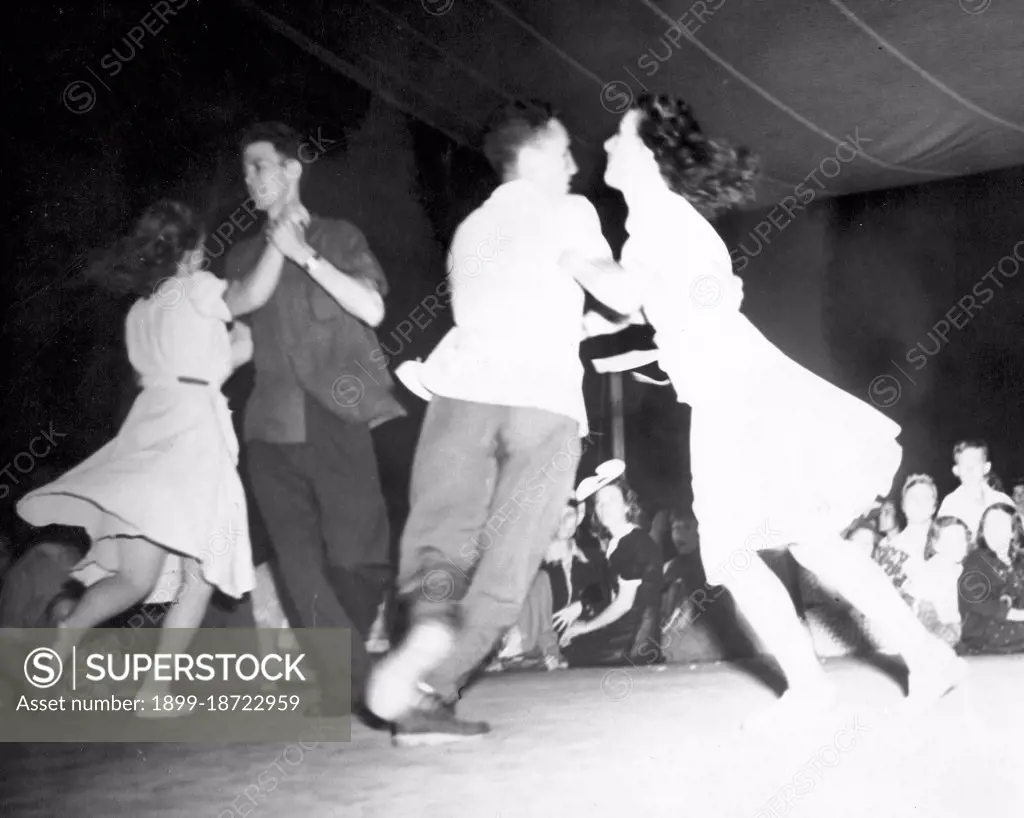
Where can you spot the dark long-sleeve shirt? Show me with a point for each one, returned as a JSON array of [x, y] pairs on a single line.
[[988, 589]]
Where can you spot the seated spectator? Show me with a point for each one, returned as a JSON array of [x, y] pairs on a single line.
[[628, 630], [974, 495], [992, 588], [900, 553], [888, 521], [33, 582], [684, 573], [933, 583], [569, 587]]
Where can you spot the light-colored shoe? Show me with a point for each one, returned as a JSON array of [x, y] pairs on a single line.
[[512, 644], [552, 662], [393, 690]]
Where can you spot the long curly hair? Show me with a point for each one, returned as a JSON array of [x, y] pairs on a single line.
[[713, 176], [137, 264]]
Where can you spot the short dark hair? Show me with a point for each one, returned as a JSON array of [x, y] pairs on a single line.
[[964, 445], [285, 139], [511, 127]]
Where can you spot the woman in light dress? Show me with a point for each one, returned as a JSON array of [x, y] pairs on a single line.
[[162, 502], [812, 457]]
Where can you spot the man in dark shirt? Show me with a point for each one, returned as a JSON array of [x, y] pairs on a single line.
[[315, 291]]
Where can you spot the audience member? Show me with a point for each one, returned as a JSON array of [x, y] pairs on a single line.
[[899, 554], [991, 586], [971, 466], [629, 629], [933, 583], [568, 588]]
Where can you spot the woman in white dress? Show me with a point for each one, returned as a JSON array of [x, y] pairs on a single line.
[[162, 502], [812, 457]]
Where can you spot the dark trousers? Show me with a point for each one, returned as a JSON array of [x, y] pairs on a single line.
[[633, 640], [328, 525], [489, 485]]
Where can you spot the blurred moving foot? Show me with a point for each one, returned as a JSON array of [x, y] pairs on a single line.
[[433, 721], [394, 687]]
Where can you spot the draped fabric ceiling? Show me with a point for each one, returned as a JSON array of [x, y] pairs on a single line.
[[839, 96]]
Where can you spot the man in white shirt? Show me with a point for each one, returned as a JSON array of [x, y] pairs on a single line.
[[968, 502], [497, 455]]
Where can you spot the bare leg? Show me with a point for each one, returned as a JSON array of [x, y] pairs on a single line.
[[182, 619], [140, 563], [863, 583], [179, 627], [269, 616], [766, 606]]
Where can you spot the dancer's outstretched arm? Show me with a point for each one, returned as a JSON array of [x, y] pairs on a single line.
[[241, 345], [588, 259], [248, 294], [604, 279]]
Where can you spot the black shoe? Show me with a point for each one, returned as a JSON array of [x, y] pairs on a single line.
[[367, 718], [435, 723]]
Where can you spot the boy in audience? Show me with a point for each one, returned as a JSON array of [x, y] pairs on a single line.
[[968, 502]]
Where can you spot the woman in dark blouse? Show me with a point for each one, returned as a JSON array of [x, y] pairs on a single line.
[[628, 630], [992, 586], [569, 586]]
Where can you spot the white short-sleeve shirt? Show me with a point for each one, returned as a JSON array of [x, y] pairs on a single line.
[[518, 313], [959, 503]]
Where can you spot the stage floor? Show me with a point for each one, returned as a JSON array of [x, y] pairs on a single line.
[[588, 743]]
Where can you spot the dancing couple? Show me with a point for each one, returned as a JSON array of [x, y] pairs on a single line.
[[163, 502], [812, 456]]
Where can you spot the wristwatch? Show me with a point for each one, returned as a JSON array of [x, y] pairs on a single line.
[[312, 261]]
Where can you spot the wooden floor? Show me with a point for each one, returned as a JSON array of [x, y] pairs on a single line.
[[588, 743]]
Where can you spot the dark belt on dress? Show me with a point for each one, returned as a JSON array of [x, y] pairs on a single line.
[[195, 381]]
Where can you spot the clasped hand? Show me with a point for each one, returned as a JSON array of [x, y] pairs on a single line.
[[288, 235]]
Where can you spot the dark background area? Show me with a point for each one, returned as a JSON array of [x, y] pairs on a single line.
[[847, 287]]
